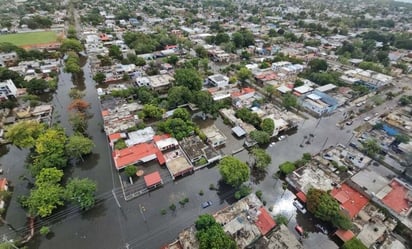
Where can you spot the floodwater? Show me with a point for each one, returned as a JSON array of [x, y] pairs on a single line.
[[96, 166]]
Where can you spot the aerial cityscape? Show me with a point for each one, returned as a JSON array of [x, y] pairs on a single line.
[[205, 124]]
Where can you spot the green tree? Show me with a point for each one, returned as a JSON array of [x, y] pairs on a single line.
[[173, 59], [49, 150], [78, 122], [201, 52], [37, 86], [233, 171], [152, 111], [178, 95], [354, 243], [326, 208], [76, 94], [189, 78], [268, 125], [43, 200], [371, 147], [317, 65], [289, 101], [72, 63], [287, 167], [140, 61], [237, 39], [177, 127], [99, 77], [270, 90], [130, 170], [260, 137], [210, 234], [204, 101], [244, 74], [78, 146], [262, 159], [49, 176], [115, 52], [81, 192], [71, 45], [24, 133], [181, 113], [402, 138], [7, 245]]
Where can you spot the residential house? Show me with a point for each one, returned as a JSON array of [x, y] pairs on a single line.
[[7, 89], [218, 80], [8, 59], [214, 136], [319, 103]]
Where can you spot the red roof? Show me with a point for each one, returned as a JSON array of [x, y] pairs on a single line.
[[396, 199], [152, 179], [105, 113], [170, 46], [139, 152], [301, 196], [157, 138], [344, 235], [3, 184], [265, 222], [350, 199], [114, 137]]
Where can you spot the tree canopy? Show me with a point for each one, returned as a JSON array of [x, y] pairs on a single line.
[[79, 145], [24, 133], [189, 78], [287, 167], [210, 234], [233, 171], [177, 127], [262, 158], [326, 208], [261, 137], [81, 192], [268, 125]]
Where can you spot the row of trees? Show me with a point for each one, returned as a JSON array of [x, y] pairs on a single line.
[[51, 151]]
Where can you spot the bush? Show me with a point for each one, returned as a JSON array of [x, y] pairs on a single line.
[[172, 207], [287, 168], [201, 192], [242, 192], [280, 219], [163, 211], [212, 186], [259, 194], [44, 230], [130, 170]]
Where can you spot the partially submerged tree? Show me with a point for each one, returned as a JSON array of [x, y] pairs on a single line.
[[233, 171]]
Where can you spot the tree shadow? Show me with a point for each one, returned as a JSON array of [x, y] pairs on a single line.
[[257, 175], [95, 212], [226, 192]]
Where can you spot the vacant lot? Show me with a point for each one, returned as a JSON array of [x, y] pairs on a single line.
[[22, 39]]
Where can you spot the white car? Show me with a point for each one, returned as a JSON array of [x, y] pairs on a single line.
[[367, 118], [299, 206], [283, 137]]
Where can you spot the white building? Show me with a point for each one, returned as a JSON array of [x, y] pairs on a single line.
[[218, 80], [7, 89]]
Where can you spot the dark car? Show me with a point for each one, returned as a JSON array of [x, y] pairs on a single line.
[[350, 122], [322, 228], [206, 204]]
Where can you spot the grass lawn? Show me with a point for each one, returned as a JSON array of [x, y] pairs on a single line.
[[30, 38]]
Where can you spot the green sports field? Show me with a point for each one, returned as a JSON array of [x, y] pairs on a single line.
[[23, 39]]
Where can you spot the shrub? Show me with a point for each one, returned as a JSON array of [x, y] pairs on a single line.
[[163, 211], [259, 194], [44, 230], [172, 207], [201, 192], [212, 186]]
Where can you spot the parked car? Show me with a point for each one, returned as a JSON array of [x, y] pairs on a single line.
[[367, 118], [299, 229], [206, 204], [283, 137], [322, 228], [299, 206], [350, 122]]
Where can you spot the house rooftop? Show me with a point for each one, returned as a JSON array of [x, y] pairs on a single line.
[[139, 153], [350, 200], [152, 179], [399, 197]]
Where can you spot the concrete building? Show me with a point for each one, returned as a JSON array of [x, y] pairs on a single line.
[[7, 89], [158, 83], [319, 103], [218, 80], [214, 136], [8, 59]]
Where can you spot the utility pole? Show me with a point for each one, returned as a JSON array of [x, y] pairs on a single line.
[[142, 210]]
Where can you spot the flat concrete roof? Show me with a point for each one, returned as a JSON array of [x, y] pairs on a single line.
[[178, 165]]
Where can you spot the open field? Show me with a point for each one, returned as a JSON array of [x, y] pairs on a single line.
[[23, 39]]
